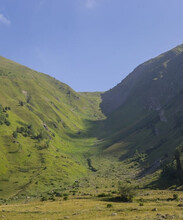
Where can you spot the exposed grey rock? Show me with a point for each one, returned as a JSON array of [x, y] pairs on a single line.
[[114, 214]]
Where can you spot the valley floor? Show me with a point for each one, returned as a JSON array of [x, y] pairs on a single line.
[[147, 205]]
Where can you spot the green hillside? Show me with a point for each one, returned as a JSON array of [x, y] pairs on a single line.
[[44, 127], [52, 138]]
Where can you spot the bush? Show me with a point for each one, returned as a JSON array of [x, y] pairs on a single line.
[[109, 205], [58, 194], [102, 195], [65, 194], [52, 198], [26, 130], [7, 123], [141, 200], [65, 198], [172, 171], [127, 192], [15, 134], [21, 103], [175, 197], [44, 198]]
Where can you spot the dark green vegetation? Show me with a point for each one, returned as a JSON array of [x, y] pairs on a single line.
[[127, 193], [54, 139], [173, 170]]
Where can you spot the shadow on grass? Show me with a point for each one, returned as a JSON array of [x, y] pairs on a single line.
[[163, 183], [114, 199]]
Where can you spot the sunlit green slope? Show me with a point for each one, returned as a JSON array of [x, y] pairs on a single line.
[[44, 128]]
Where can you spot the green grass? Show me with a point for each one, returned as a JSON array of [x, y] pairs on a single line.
[[155, 206], [74, 129], [65, 116]]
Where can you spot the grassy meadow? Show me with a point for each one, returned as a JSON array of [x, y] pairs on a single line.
[[62, 158], [148, 204]]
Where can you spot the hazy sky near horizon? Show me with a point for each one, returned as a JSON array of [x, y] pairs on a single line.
[[89, 44]]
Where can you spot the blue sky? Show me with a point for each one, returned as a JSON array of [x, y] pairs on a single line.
[[89, 44]]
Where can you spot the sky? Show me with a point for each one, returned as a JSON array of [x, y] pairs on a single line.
[[91, 45]]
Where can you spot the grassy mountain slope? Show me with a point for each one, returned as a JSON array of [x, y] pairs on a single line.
[[145, 110], [51, 136], [43, 130]]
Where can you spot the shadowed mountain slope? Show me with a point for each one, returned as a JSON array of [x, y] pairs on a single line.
[[145, 110]]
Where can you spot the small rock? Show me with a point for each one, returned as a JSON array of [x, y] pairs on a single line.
[[114, 214], [169, 216], [155, 210], [161, 216], [75, 213]]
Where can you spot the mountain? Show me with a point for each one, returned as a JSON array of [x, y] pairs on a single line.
[[51, 136], [44, 127], [145, 111]]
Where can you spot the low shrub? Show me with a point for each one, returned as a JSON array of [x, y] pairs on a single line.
[[65, 198], [127, 192], [44, 198], [102, 195], [175, 196], [109, 205]]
